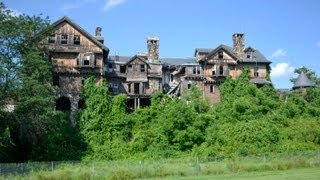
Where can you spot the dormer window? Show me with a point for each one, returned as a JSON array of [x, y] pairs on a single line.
[[64, 39], [220, 55], [52, 38], [76, 39]]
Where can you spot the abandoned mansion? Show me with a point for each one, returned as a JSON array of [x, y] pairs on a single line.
[[76, 55]]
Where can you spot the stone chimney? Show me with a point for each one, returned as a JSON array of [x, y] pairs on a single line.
[[98, 35], [238, 44], [153, 49]]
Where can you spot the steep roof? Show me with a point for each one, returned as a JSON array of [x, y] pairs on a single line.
[[302, 81], [81, 30], [227, 49], [202, 50]]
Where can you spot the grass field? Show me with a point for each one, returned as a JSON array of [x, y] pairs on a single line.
[[292, 174], [304, 165]]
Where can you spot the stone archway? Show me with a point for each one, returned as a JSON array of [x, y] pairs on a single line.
[[63, 104]]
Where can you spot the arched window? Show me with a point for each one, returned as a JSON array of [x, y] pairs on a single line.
[[63, 104]]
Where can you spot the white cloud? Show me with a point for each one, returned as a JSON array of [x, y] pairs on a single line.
[[318, 44], [281, 69], [279, 53], [112, 4]]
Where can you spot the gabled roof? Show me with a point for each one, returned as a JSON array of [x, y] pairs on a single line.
[[302, 81], [227, 49], [137, 57], [81, 30], [202, 50]]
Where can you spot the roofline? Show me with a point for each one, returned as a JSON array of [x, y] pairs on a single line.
[[79, 28], [221, 46]]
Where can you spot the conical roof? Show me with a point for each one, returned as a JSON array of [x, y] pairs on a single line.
[[302, 81]]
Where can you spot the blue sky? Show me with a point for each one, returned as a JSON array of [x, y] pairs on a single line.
[[287, 32]]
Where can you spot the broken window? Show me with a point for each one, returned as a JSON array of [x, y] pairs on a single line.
[[63, 104], [76, 39], [136, 88], [52, 38], [122, 69], [221, 70], [86, 60], [220, 55], [129, 88], [256, 72], [130, 68], [198, 70], [189, 86], [142, 68], [194, 70], [64, 39], [214, 70], [211, 88]]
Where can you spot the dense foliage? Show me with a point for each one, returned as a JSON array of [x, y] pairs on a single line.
[[248, 120]]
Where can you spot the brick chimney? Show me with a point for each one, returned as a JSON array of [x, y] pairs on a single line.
[[238, 44], [153, 49], [98, 35]]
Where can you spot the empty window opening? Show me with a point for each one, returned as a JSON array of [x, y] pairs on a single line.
[[122, 69], [220, 55], [130, 68], [76, 39], [189, 86], [221, 70], [256, 73], [86, 60], [136, 88], [129, 88], [171, 77], [63, 104], [64, 39], [194, 70], [248, 55], [52, 38], [198, 70], [211, 88], [142, 68]]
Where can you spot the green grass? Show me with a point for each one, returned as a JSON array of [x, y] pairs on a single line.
[[238, 167], [292, 174]]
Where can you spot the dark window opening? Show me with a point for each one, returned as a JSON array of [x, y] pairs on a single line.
[[198, 70], [122, 69], [248, 55], [211, 88], [213, 72], [86, 62], [52, 38], [256, 73], [63, 104], [171, 77], [129, 88], [220, 55], [142, 68], [76, 39], [64, 39], [189, 86], [110, 68], [136, 88], [221, 70], [194, 70], [56, 80]]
